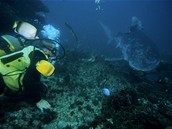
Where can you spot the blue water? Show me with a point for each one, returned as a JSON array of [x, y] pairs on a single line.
[[95, 28]]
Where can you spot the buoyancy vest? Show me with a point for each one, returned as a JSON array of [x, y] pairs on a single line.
[[13, 67], [11, 43]]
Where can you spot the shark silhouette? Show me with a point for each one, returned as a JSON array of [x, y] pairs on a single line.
[[136, 47]]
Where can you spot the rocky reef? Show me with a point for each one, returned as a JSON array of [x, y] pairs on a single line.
[[138, 100]]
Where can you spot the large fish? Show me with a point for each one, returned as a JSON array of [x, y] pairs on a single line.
[[138, 49]]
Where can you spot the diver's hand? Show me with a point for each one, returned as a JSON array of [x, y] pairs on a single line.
[[43, 104]]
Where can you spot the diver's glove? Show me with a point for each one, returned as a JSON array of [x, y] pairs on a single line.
[[43, 105]]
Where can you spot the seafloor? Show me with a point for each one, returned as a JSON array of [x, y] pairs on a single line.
[[138, 100]]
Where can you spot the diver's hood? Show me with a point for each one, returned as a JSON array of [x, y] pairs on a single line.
[[56, 48]]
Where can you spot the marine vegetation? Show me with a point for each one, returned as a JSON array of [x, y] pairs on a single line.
[[75, 93]]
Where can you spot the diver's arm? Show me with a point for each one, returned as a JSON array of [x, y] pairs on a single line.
[[31, 80], [35, 90]]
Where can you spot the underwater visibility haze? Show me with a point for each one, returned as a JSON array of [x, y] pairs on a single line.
[[97, 25], [114, 69]]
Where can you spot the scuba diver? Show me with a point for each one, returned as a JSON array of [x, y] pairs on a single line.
[[23, 59]]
